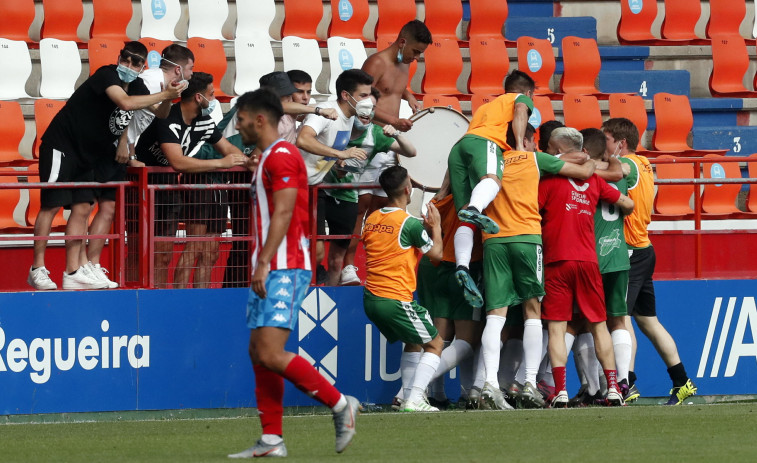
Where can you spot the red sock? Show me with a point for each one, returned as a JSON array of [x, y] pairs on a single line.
[[612, 379], [307, 379], [269, 392], [558, 373]]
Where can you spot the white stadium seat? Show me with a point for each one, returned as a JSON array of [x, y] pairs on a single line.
[[159, 19], [206, 18], [303, 54], [60, 67], [254, 59], [17, 67], [344, 54]]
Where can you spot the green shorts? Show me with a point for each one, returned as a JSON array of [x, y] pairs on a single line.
[[470, 159], [399, 321], [439, 292], [616, 289], [513, 273]]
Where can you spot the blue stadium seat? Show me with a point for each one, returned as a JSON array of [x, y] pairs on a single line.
[[645, 83], [551, 28]]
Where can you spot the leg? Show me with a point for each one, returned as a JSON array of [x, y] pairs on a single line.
[[558, 356], [101, 224], [336, 258], [42, 227], [77, 225], [190, 256], [163, 257], [363, 204]]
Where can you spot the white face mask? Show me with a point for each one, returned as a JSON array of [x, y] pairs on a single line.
[[181, 70], [363, 108], [206, 111]]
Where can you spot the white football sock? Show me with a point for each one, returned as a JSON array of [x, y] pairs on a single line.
[[408, 364], [510, 360], [426, 367], [587, 361], [484, 193], [480, 372], [451, 356], [463, 245], [490, 347], [532, 349], [621, 343]]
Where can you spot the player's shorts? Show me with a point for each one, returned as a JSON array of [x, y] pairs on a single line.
[[513, 273], [379, 163], [641, 298], [616, 288], [286, 289], [569, 281], [398, 320], [340, 215], [440, 293], [470, 159], [56, 166], [108, 170]]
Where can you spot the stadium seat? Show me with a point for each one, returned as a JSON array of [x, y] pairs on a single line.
[[206, 18], [16, 20], [111, 18], [489, 64], [581, 63], [159, 19], [635, 25], [62, 18], [544, 106], [477, 100], [631, 107], [384, 41], [719, 200], [254, 18], [155, 49], [444, 63], [581, 111], [550, 27], [210, 57], [726, 17], [301, 18], [443, 17], [487, 18], [672, 202], [430, 100], [60, 67], [751, 203], [537, 59], [674, 122], [102, 52], [348, 18], [730, 61], [344, 54], [32, 208], [304, 54], [17, 67], [9, 200], [12, 129], [254, 59], [392, 15], [44, 112], [681, 17]]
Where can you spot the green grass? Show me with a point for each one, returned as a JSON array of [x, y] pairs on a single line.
[[711, 433]]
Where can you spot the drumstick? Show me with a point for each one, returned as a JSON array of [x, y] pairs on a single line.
[[415, 117]]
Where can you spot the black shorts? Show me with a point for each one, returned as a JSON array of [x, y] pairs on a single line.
[[640, 298], [340, 215], [56, 166], [108, 170], [209, 207]]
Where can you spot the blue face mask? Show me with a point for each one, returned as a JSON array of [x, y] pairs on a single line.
[[399, 55], [208, 109], [126, 74]]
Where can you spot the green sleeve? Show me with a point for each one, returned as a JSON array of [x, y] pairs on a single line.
[[548, 164], [413, 234], [527, 101], [381, 141], [633, 177]]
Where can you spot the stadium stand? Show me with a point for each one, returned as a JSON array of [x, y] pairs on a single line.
[[730, 63], [751, 203], [443, 18], [672, 202], [103, 52], [254, 59], [489, 64], [159, 19], [556, 27], [255, 18], [444, 63], [9, 200], [581, 111], [719, 200], [645, 83], [544, 105], [301, 18], [537, 59], [44, 111], [304, 54], [12, 130], [62, 19], [210, 57], [726, 17], [111, 17], [17, 67], [60, 67], [674, 121], [206, 18], [430, 100], [479, 99], [488, 19], [635, 25], [348, 19], [681, 17], [581, 66], [155, 49], [16, 19], [631, 107], [392, 15], [344, 54]]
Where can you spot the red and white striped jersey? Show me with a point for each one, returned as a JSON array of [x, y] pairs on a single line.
[[281, 166]]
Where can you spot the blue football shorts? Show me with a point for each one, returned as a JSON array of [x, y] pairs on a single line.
[[286, 289]]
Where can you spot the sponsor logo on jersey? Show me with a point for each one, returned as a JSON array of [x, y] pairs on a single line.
[[279, 318], [283, 293], [280, 305], [608, 243], [285, 279]]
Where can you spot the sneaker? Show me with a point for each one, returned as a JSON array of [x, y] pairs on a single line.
[[514, 390], [470, 291], [440, 404], [344, 423], [580, 399], [493, 399], [261, 449], [419, 406], [679, 394], [100, 274], [614, 399], [623, 388], [474, 399], [559, 400], [81, 280], [530, 397], [349, 276], [633, 394], [397, 404], [471, 215], [545, 389], [39, 279]]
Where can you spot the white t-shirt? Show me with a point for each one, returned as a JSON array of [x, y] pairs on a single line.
[[142, 118], [335, 134]]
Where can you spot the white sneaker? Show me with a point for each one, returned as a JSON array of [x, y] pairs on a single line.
[[349, 276], [419, 406], [100, 274], [81, 280], [39, 279]]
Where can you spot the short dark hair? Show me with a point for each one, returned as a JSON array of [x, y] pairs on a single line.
[[393, 180], [417, 31], [519, 82], [350, 79], [262, 100], [132, 50], [595, 142], [545, 131], [177, 54], [197, 84], [530, 131], [298, 76], [622, 129]]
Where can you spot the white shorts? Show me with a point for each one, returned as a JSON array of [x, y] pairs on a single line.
[[378, 164]]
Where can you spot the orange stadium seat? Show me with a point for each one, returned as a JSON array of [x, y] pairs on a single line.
[[383, 41], [210, 57], [16, 20], [681, 17], [751, 203], [581, 64], [478, 99], [719, 200], [487, 18], [444, 63], [348, 18], [430, 100], [8, 201], [102, 52], [631, 107], [725, 18], [489, 64], [674, 122], [730, 61], [32, 209], [443, 17], [581, 111], [12, 130], [111, 17], [154, 46], [392, 15], [44, 112], [301, 18], [672, 202], [544, 105], [62, 18], [635, 25], [536, 58]]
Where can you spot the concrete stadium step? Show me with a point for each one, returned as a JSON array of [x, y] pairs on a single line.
[[645, 83], [740, 140], [551, 28]]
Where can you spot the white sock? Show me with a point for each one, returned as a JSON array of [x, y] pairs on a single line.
[[532, 349], [436, 386], [452, 355], [480, 374], [587, 360], [463, 245], [490, 346], [621, 343], [510, 360], [484, 193], [569, 339], [465, 368], [426, 367], [340, 404], [408, 364], [271, 439]]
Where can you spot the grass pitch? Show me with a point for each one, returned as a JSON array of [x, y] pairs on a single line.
[[707, 433]]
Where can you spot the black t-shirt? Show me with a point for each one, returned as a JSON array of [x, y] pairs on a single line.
[[173, 130], [90, 123]]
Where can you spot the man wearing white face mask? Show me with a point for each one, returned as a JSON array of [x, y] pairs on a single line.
[[322, 143]]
